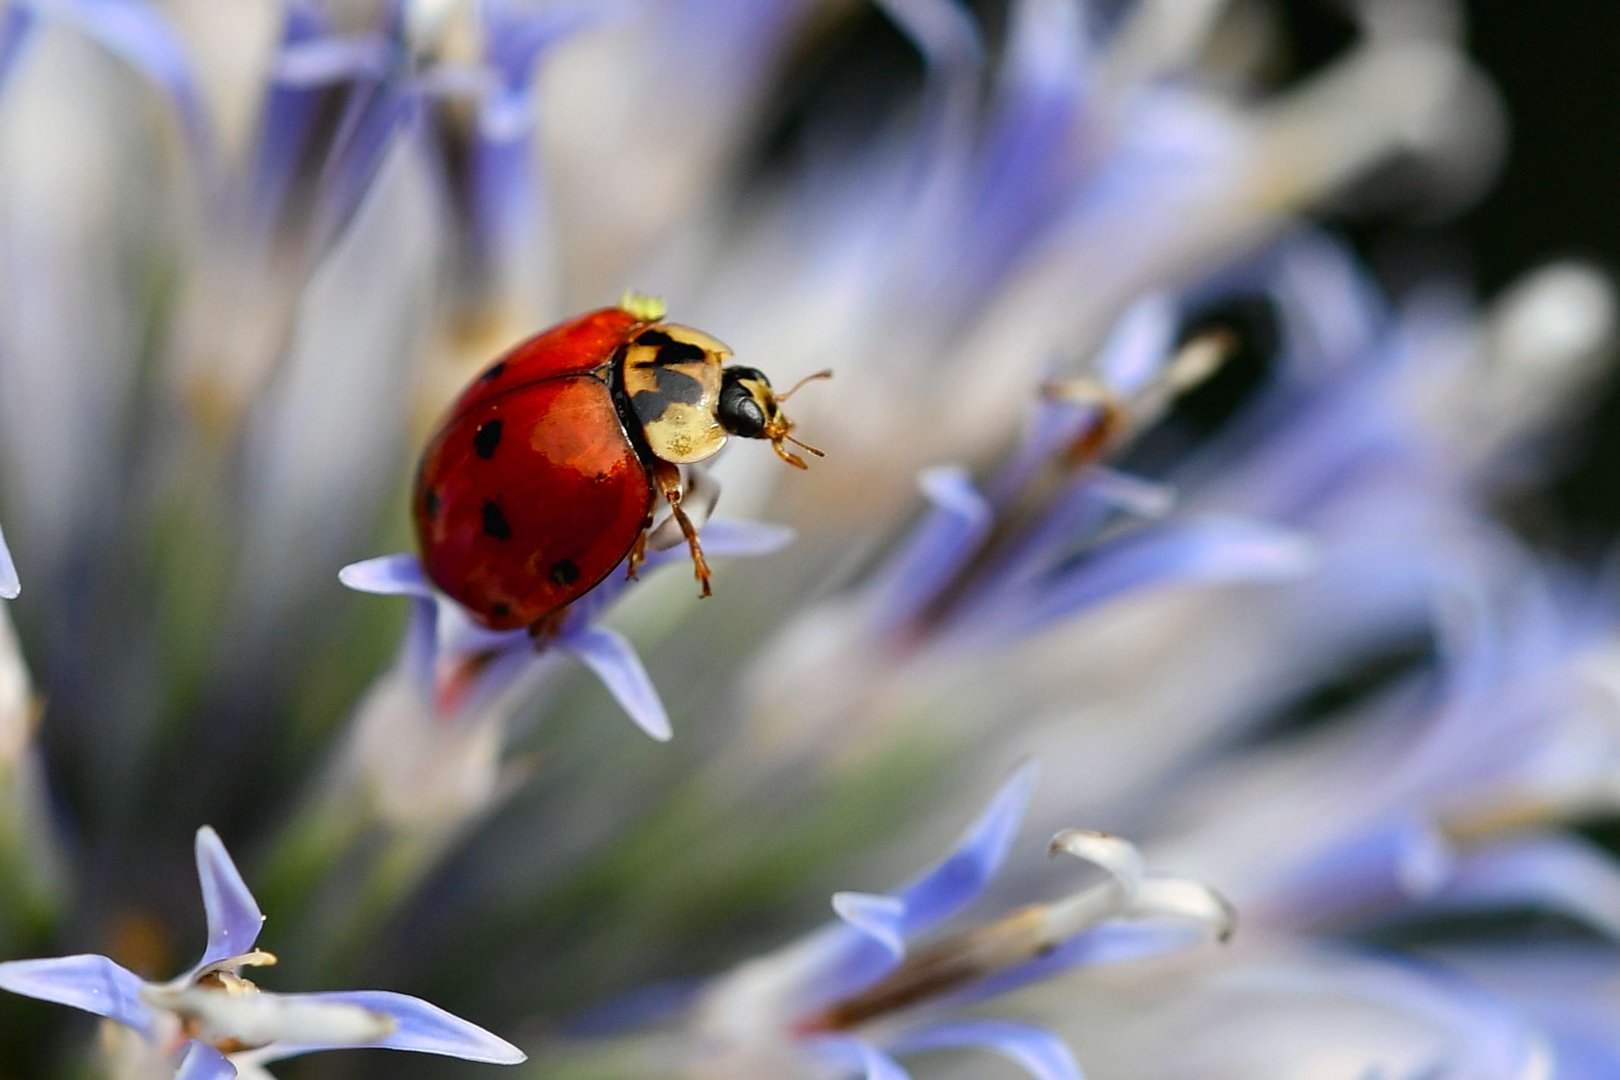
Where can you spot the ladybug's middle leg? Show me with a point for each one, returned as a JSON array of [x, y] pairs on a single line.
[[668, 479]]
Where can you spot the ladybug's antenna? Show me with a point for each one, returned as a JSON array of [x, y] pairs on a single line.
[[778, 427], [824, 373], [789, 456]]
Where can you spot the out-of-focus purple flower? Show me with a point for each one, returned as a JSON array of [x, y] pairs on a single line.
[[10, 586], [453, 74], [1448, 798], [881, 983], [133, 30], [233, 1021], [1056, 535]]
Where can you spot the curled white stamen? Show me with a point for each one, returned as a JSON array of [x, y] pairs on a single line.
[[1120, 858], [1133, 893]]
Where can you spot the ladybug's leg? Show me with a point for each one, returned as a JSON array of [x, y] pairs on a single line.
[[547, 627], [668, 479], [638, 550]]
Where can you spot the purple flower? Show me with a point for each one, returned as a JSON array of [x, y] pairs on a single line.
[[1054, 536], [133, 30], [394, 78], [881, 983], [211, 1019], [463, 670], [10, 587]]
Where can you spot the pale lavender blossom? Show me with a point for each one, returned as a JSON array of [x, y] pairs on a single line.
[[883, 983], [213, 1022], [10, 586]]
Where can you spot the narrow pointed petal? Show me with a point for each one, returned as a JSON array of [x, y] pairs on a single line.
[[949, 42], [375, 120], [1136, 349], [870, 941], [1040, 1053], [950, 886], [1201, 552], [615, 662], [322, 61], [92, 983], [723, 538], [857, 1056], [1403, 860], [1089, 505], [941, 31], [416, 1025], [519, 38], [234, 918], [881, 918], [1029, 161], [16, 27], [203, 1062], [1110, 943], [10, 587], [937, 548], [322, 439], [1555, 872], [399, 574], [141, 36]]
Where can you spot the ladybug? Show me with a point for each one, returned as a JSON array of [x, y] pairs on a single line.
[[543, 475]]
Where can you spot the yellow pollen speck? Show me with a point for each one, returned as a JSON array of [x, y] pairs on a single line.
[[644, 307]]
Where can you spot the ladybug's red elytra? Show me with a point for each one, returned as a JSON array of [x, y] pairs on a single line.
[[542, 476]]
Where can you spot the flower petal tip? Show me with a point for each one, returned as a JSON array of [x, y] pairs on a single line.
[[880, 918], [203, 1062], [724, 538], [399, 574], [616, 664], [10, 586], [234, 918]]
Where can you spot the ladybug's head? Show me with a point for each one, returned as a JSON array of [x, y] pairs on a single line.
[[750, 408]]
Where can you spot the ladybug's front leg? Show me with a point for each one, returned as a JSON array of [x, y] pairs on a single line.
[[668, 479]]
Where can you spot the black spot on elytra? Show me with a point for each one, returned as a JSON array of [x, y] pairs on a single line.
[[495, 525], [493, 373], [564, 572], [487, 438], [430, 502], [500, 610]]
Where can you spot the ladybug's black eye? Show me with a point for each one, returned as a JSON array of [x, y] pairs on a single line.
[[738, 410]]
